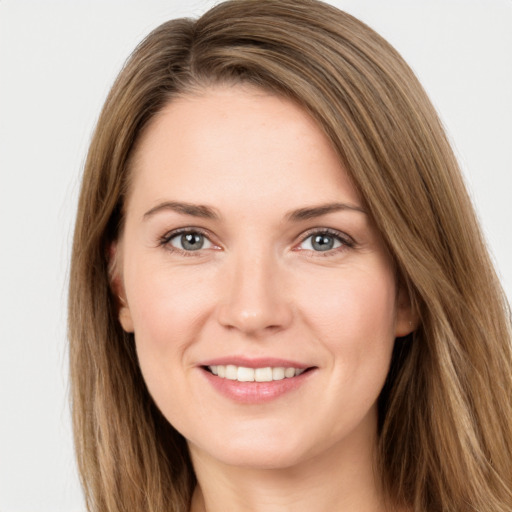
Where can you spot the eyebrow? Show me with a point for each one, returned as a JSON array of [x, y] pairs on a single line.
[[323, 209], [195, 210], [206, 212]]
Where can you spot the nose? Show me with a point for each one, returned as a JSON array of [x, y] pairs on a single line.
[[254, 297]]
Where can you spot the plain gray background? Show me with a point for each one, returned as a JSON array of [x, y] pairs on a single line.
[[57, 62]]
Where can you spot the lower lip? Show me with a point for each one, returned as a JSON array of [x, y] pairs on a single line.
[[255, 392]]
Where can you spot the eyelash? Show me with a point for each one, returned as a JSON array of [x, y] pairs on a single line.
[[165, 240], [346, 241]]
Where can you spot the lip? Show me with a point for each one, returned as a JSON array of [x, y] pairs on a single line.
[[255, 392]]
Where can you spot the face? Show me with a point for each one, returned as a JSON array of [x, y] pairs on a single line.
[[263, 301]]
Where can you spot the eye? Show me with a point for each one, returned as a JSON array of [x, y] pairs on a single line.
[[188, 241], [323, 241]]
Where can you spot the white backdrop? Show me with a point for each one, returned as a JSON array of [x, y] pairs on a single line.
[[57, 61]]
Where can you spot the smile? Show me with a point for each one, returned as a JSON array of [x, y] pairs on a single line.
[[255, 380], [244, 374]]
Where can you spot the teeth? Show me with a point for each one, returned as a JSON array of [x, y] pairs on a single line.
[[263, 374], [231, 372], [278, 373], [289, 372], [243, 374]]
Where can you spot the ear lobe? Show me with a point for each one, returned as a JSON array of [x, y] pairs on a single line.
[[117, 288], [407, 319], [125, 318]]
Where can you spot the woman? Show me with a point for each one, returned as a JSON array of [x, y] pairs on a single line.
[[280, 297]]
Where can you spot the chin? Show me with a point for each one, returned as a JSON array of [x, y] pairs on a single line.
[[261, 449], [261, 459]]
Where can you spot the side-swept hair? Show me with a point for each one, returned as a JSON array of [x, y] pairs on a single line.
[[445, 413]]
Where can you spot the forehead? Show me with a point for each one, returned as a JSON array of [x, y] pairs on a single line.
[[237, 143]]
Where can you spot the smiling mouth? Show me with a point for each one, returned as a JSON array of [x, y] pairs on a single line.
[[244, 374]]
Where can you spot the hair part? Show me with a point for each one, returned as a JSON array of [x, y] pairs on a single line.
[[445, 412]]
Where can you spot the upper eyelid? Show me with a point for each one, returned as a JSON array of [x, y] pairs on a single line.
[[189, 229], [330, 231]]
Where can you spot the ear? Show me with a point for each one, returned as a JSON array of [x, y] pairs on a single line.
[[117, 287], [407, 319]]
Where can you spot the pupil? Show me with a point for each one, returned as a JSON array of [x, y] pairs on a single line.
[[192, 241], [323, 242]]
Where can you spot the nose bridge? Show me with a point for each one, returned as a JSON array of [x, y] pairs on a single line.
[[254, 301]]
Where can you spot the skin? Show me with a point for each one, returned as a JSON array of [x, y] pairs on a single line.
[[259, 288]]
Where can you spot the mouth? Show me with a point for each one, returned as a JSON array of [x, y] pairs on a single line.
[[256, 380], [246, 374]]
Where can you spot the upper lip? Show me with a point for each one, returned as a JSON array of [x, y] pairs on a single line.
[[259, 362]]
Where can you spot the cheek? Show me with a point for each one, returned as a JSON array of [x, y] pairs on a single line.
[[168, 309], [355, 305], [353, 319]]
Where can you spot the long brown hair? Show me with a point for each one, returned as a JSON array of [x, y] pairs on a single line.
[[445, 413]]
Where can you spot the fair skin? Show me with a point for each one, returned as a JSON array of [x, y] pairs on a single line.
[[246, 245]]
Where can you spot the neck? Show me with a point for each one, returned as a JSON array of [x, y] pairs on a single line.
[[342, 478]]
